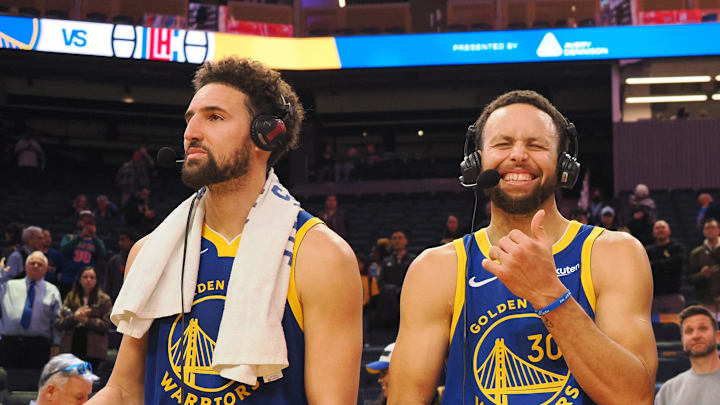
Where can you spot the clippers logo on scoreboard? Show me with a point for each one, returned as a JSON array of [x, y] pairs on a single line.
[[19, 33], [161, 44]]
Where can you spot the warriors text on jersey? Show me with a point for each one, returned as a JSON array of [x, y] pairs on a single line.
[[506, 355], [169, 345]]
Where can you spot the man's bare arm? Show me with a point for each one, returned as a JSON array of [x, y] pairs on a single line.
[[127, 383], [614, 359], [425, 317], [328, 282]]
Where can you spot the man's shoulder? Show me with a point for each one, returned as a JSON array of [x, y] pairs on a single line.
[[51, 288], [697, 250], [673, 384]]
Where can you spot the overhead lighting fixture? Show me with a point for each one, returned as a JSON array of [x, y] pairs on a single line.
[[716, 96], [717, 78], [341, 3], [667, 99], [420, 132], [669, 79]]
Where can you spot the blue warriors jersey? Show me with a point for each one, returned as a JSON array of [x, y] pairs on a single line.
[[169, 345], [506, 355]]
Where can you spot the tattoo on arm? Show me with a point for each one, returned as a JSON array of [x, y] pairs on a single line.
[[547, 322]]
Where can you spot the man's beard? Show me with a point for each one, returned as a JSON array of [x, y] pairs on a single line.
[[710, 348], [524, 205], [196, 175]]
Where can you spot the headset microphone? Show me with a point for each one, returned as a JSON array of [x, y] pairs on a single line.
[[167, 157]]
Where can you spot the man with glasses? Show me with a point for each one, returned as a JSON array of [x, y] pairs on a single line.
[[65, 380]]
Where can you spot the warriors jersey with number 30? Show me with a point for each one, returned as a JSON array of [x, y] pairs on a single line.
[[201, 385], [502, 353]]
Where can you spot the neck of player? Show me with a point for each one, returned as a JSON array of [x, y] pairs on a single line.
[[228, 204], [706, 364], [501, 223]]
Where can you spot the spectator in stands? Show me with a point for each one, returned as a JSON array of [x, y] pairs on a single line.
[[451, 231], [56, 259], [394, 268], [13, 238], [708, 209], [79, 205], [33, 240], [29, 308], [370, 293], [607, 218], [579, 215], [379, 252], [705, 268], [701, 384], [371, 160], [65, 380], [380, 367], [106, 211], [640, 225], [30, 156], [85, 319], [334, 217], [138, 213], [344, 166], [666, 260], [82, 249], [115, 268], [596, 205], [134, 173], [641, 198], [326, 164]]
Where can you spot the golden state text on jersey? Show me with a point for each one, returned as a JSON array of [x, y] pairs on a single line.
[[500, 351], [180, 357]]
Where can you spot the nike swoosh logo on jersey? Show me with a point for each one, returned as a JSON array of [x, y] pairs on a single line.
[[204, 250], [474, 283]]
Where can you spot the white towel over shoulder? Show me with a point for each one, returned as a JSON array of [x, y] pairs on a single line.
[[251, 341]]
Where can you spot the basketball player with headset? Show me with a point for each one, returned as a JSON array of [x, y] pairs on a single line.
[[533, 309], [242, 118]]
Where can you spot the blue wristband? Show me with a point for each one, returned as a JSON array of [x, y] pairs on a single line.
[[557, 303]]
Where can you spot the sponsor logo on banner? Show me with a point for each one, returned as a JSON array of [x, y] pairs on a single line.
[[550, 48], [19, 33]]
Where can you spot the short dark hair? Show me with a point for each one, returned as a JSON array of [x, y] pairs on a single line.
[[524, 97], [711, 219], [264, 88], [693, 310]]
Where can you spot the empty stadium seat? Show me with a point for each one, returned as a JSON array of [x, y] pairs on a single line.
[[561, 23], [20, 397], [669, 367], [395, 29], [456, 28], [481, 27], [517, 25], [342, 32], [123, 19], [541, 24], [319, 32], [588, 22], [23, 379], [57, 14], [369, 31], [28, 12], [96, 17]]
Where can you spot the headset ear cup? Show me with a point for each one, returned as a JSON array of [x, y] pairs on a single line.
[[268, 132], [568, 171], [470, 169]]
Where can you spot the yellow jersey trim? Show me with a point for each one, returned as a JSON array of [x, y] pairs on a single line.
[[460, 286], [293, 297], [585, 270], [483, 240], [224, 248]]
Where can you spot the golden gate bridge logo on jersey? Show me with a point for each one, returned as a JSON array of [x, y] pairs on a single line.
[[196, 358], [519, 376]]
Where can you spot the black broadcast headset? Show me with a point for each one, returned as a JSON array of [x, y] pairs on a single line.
[[269, 132], [568, 168]]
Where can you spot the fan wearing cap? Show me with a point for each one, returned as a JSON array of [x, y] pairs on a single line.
[[65, 380], [380, 367], [607, 218]]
